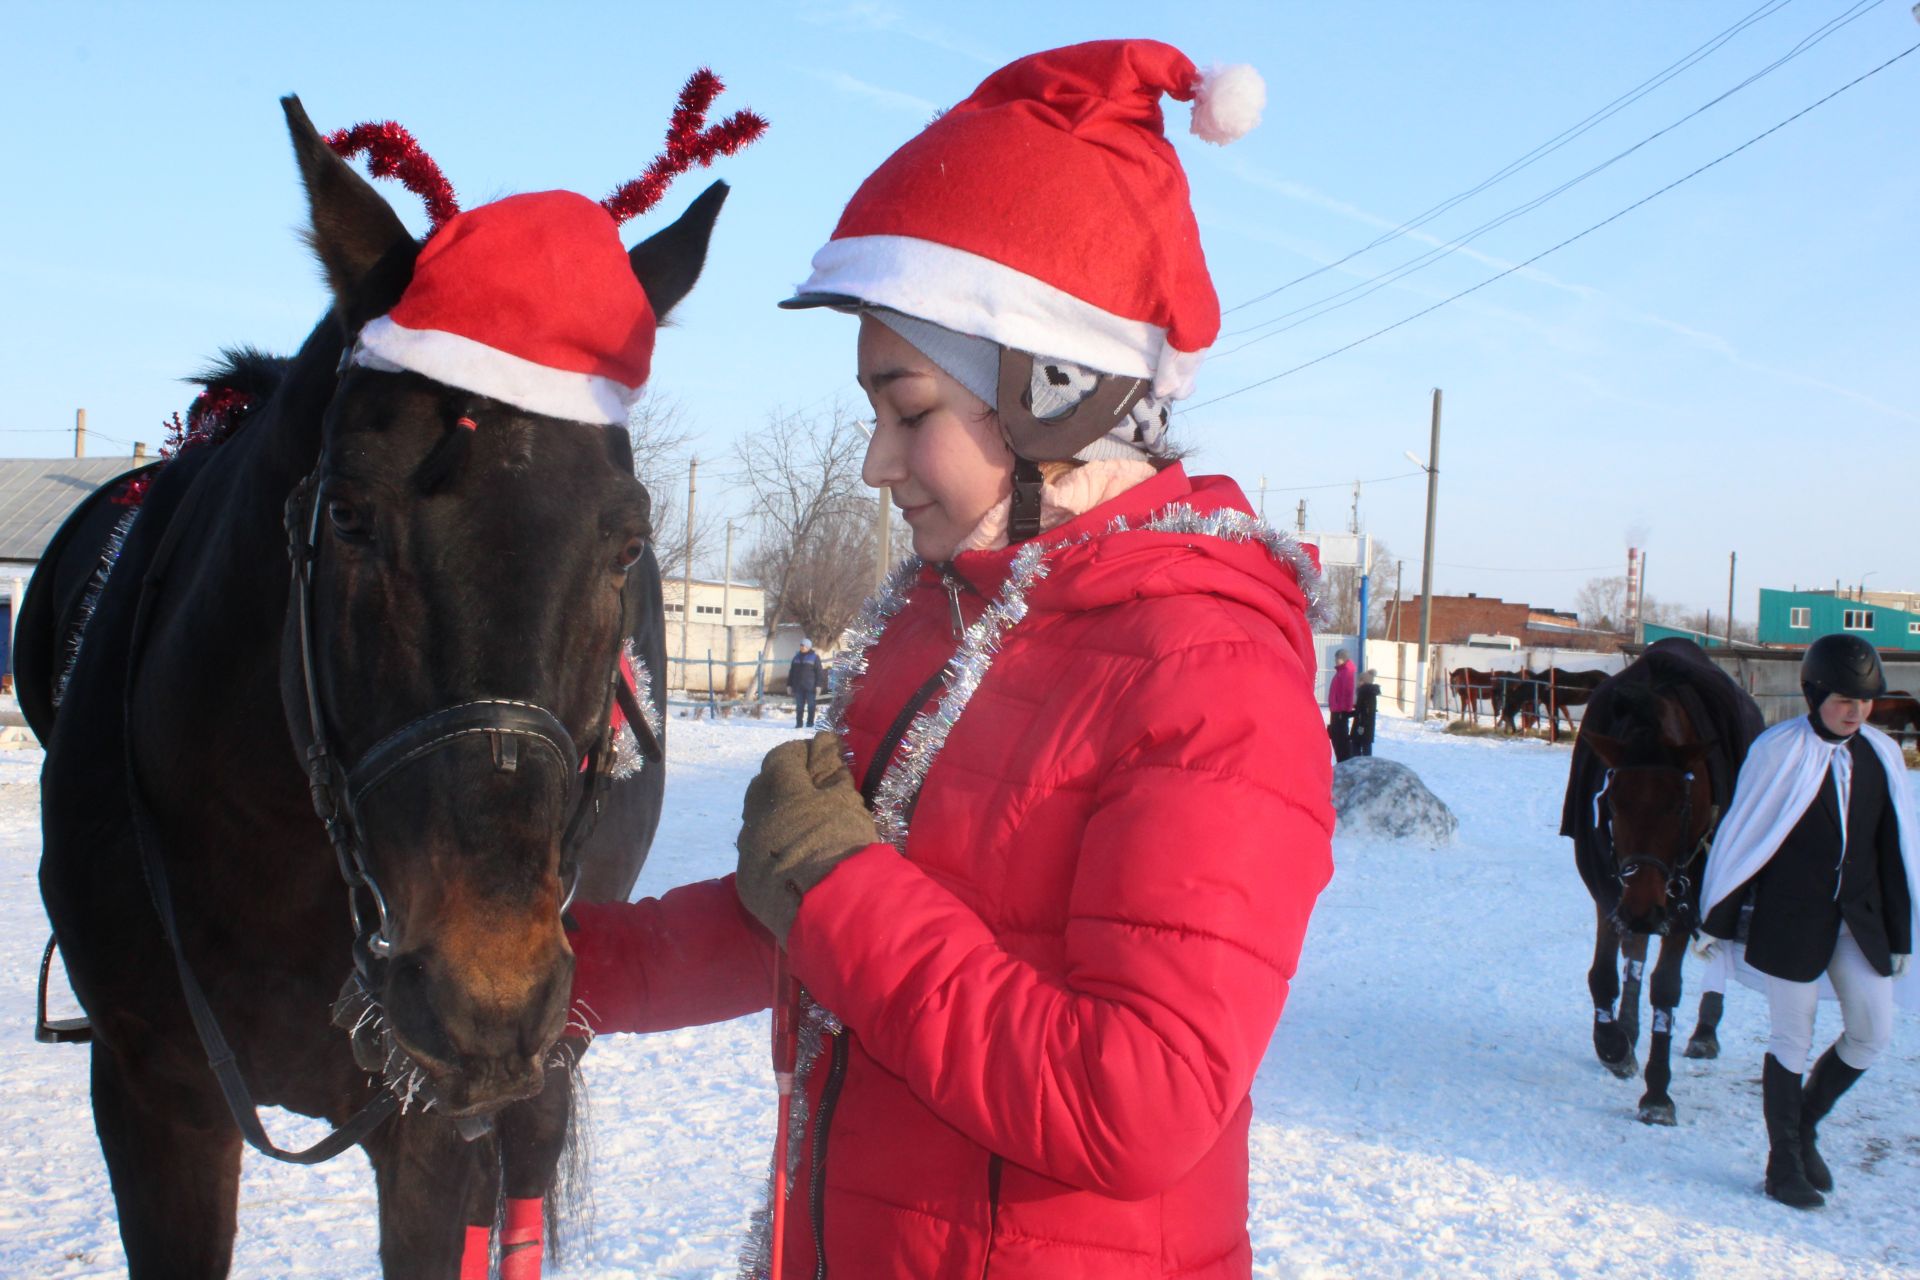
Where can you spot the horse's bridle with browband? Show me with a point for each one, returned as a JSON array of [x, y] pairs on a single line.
[[339, 789], [1678, 882]]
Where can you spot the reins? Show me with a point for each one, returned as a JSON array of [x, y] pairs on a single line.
[[220, 1056]]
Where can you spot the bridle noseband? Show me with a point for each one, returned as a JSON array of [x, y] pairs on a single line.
[[340, 789]]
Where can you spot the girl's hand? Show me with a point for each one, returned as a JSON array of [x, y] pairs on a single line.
[[802, 817]]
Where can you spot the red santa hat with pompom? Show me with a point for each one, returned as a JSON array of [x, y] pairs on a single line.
[[1049, 213]]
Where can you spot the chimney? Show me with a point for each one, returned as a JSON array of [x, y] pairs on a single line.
[[79, 433], [139, 450]]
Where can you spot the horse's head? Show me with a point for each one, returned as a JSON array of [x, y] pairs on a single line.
[[466, 599], [1658, 811]]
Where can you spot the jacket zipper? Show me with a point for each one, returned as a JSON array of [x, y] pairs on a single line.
[[993, 1211], [817, 1176], [954, 618]]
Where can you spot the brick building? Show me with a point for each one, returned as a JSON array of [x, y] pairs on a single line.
[[1456, 618]]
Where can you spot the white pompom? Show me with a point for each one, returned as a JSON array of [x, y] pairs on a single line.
[[1227, 102]]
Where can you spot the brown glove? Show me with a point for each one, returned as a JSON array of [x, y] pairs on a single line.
[[802, 817]]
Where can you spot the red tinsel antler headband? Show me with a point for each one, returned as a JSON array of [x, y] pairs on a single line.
[[393, 153], [687, 145]]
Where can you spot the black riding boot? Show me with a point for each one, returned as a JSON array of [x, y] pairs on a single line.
[[1829, 1078], [1786, 1175]]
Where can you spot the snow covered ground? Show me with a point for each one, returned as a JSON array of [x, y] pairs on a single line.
[[1430, 1106]]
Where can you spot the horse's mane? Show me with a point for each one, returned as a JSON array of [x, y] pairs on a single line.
[[248, 370]]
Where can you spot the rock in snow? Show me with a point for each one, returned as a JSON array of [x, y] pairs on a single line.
[[1382, 799]]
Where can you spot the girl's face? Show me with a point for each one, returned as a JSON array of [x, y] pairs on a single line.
[[935, 444], [1844, 716]]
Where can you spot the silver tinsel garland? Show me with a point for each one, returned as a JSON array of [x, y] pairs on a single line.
[[627, 759], [904, 776], [90, 600]]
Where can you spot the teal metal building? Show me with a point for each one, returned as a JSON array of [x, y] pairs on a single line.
[[1801, 617]]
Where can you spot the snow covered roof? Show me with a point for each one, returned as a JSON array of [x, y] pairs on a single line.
[[36, 494]]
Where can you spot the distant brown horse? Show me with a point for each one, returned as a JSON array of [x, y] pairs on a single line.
[[1469, 685], [1898, 713]]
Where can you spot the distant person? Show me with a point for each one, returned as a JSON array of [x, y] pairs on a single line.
[[1340, 706], [1366, 705], [1820, 835], [803, 682]]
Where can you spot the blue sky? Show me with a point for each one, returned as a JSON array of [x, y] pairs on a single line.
[[1729, 368]]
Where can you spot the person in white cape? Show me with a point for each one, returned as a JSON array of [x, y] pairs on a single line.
[[1820, 837]]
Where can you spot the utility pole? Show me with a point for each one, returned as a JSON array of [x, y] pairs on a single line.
[[79, 433], [1263, 497], [1640, 605], [1353, 520], [1733, 559], [686, 578], [726, 606], [1432, 467], [1300, 517]]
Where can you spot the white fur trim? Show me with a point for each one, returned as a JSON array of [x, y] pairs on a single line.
[[1227, 102], [475, 366], [976, 295]]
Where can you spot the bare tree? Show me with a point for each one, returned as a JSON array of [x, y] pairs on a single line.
[[1340, 590], [1602, 603], [662, 448], [812, 519]]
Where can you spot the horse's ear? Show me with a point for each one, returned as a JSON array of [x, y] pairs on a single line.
[[1610, 750], [668, 262], [361, 242]]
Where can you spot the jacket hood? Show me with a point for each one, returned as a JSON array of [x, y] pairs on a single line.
[[1208, 543]]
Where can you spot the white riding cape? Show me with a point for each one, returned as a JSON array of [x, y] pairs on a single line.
[[1780, 779]]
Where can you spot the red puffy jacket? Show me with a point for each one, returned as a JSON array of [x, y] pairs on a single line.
[[1056, 1001]]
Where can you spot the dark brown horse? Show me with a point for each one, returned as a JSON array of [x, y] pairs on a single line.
[[1659, 749], [436, 675], [1531, 693]]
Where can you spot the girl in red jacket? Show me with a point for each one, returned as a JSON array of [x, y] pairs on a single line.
[[1047, 882]]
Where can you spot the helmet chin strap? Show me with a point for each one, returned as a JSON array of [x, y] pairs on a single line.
[[1058, 438], [1023, 521]]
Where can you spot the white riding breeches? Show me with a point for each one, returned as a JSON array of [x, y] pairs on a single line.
[[1866, 1011]]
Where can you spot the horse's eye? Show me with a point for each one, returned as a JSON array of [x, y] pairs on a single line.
[[347, 520], [630, 554]]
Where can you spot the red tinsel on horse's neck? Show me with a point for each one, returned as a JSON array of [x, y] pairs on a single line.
[[212, 417]]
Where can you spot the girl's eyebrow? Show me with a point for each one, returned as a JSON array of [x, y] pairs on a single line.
[[880, 380]]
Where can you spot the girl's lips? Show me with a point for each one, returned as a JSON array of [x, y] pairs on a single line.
[[908, 513]]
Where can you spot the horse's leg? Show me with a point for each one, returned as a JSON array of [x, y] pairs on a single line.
[[424, 1172], [1634, 950], [1603, 982], [173, 1157], [483, 1204], [533, 1138], [1705, 1041], [1656, 1107]]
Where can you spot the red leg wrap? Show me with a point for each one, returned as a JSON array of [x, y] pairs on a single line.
[[520, 1240], [473, 1258]]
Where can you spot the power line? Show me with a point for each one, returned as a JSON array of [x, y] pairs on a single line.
[[1338, 484], [1540, 152], [1580, 235], [1373, 284]]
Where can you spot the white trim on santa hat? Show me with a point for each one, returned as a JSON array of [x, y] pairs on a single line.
[[474, 366], [976, 295]]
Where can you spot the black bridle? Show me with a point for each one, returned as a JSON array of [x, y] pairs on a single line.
[[339, 789], [508, 723], [1675, 868]]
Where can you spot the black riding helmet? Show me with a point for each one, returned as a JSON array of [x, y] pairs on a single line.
[[1844, 665]]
